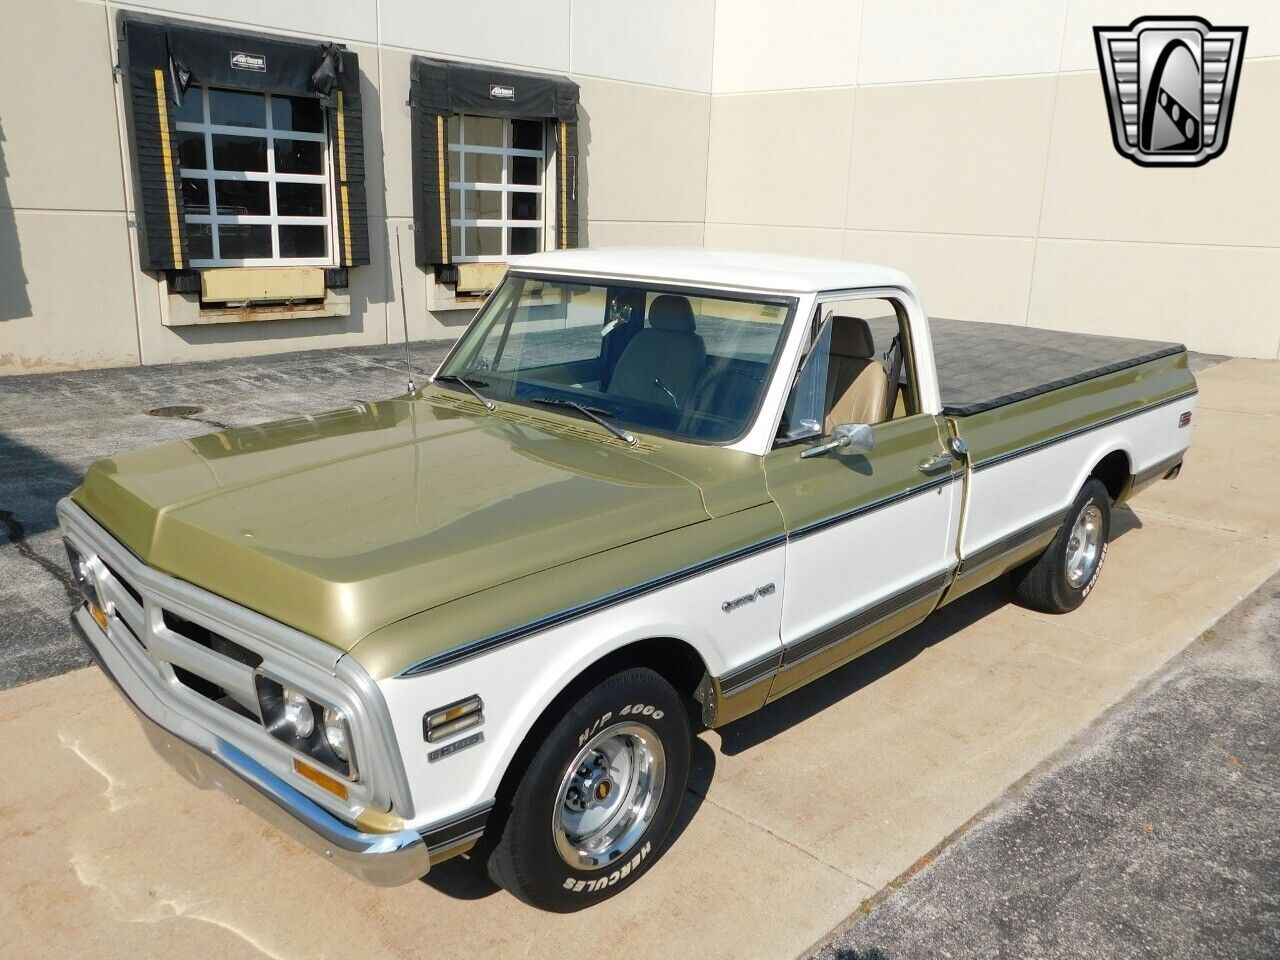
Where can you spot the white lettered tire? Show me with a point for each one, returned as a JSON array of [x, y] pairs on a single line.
[[595, 805], [1062, 577]]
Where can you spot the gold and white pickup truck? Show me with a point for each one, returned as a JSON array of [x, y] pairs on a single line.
[[647, 491]]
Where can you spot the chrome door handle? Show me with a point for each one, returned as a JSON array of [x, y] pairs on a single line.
[[936, 464]]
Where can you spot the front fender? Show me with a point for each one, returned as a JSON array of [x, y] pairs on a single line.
[[519, 678]]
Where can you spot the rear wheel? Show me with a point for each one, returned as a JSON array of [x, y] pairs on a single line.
[[600, 796], [1060, 578]]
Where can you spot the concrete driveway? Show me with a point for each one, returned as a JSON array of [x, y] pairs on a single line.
[[795, 816]]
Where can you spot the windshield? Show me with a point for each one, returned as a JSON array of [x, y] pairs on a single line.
[[686, 365]]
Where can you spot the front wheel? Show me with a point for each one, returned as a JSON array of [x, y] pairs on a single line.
[[1060, 578], [599, 798]]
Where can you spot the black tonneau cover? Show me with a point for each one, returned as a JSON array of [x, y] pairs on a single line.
[[986, 365]]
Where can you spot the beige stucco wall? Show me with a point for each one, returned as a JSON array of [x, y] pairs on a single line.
[[967, 144]]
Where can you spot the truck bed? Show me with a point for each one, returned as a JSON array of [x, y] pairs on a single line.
[[986, 365]]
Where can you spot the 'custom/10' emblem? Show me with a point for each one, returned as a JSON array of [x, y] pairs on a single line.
[[1171, 85], [731, 605]]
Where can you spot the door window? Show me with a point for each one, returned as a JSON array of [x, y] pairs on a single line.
[[857, 369]]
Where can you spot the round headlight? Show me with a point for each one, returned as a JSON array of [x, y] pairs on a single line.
[[297, 712], [337, 734]]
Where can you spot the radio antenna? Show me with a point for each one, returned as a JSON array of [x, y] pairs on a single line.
[[404, 312]]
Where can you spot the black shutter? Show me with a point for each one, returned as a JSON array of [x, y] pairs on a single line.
[[567, 193], [150, 105], [439, 89], [428, 125], [161, 58], [346, 125]]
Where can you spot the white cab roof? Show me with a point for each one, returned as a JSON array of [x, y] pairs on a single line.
[[695, 266]]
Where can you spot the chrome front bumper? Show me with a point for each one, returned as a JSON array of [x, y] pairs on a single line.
[[208, 761]]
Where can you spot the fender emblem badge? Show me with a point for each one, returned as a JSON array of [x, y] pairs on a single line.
[[450, 749], [731, 605]]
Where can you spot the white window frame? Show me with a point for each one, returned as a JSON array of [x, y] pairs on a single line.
[[505, 187], [272, 219]]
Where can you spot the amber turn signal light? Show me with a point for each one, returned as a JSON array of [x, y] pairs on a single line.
[[321, 779], [99, 617]]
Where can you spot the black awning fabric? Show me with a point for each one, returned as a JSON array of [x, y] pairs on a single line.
[[439, 89], [496, 92], [162, 58]]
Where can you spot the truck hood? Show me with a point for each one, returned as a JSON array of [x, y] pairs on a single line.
[[340, 524]]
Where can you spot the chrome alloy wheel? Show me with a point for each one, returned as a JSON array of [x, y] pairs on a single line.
[[609, 795], [1084, 548]]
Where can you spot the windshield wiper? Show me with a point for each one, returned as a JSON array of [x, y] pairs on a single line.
[[594, 413], [470, 384]]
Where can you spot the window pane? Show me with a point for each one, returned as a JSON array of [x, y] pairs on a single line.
[[523, 240], [300, 200], [454, 165], [195, 195], [299, 156], [242, 241], [484, 168], [297, 113], [455, 204], [484, 131], [191, 150], [524, 206], [191, 110], [451, 128], [455, 241], [239, 153], [200, 240], [526, 134], [302, 241], [235, 108], [526, 170], [243, 198], [484, 241], [483, 205]]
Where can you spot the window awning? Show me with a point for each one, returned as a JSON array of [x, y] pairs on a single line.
[[161, 58], [439, 89]]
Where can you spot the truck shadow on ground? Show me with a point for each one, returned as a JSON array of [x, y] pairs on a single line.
[[466, 878]]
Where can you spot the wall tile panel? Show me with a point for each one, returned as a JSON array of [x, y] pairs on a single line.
[[59, 138], [661, 42], [66, 301], [1213, 299], [780, 158], [825, 242], [965, 278], [338, 19], [643, 151], [785, 44], [963, 157], [912, 40], [529, 33]]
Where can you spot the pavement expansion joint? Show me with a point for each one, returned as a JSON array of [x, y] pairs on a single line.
[[781, 839]]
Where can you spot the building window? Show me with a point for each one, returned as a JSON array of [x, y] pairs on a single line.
[[255, 179], [496, 168]]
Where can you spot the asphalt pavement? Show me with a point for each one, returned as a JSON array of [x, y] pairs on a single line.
[[1156, 833]]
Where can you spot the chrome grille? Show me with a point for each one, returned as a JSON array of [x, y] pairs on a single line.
[[199, 654]]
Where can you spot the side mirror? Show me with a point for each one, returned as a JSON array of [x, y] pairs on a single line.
[[846, 440]]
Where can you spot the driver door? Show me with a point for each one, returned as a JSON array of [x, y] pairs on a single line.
[[870, 536]]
